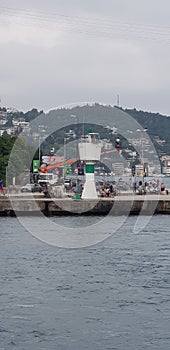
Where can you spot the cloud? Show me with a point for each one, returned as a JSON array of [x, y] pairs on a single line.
[[62, 52], [29, 30]]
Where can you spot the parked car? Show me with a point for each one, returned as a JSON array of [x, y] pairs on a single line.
[[31, 188]]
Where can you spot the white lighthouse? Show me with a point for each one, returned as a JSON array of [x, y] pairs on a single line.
[[90, 151]]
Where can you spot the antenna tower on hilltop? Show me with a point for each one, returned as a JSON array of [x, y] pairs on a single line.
[[118, 101]]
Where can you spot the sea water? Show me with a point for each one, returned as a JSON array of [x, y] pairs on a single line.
[[114, 295]]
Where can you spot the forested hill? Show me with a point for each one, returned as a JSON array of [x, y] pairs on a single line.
[[158, 127], [154, 122]]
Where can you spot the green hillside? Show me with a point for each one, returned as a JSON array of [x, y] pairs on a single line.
[[157, 125]]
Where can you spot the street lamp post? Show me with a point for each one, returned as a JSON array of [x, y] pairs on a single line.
[[142, 144], [64, 157], [39, 150], [77, 133]]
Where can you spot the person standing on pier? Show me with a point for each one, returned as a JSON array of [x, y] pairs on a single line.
[[134, 186], [1, 188], [162, 188]]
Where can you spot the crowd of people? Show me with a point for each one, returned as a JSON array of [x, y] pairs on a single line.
[[107, 191], [154, 186]]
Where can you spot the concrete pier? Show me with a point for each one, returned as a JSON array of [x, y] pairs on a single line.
[[120, 205]]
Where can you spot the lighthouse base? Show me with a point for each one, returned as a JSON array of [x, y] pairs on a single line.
[[89, 191]]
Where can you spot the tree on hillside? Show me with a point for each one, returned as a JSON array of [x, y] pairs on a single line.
[[15, 156], [6, 145], [30, 115]]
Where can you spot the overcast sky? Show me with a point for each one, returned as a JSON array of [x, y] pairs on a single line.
[[59, 52]]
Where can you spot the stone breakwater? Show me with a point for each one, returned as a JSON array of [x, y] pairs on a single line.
[[120, 205]]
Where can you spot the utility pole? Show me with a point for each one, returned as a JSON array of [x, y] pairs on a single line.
[[64, 158], [77, 133], [39, 150]]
